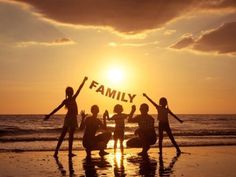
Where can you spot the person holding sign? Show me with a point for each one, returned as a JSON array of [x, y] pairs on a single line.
[[119, 118], [91, 124], [70, 122], [146, 131], [163, 112]]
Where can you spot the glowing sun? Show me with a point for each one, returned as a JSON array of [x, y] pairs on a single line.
[[115, 75]]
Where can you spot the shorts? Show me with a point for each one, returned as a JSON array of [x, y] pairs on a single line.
[[119, 134], [70, 122]]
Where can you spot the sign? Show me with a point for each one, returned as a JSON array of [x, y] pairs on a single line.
[[112, 93]]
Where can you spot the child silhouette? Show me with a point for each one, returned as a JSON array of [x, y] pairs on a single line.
[[163, 112], [70, 121], [119, 118]]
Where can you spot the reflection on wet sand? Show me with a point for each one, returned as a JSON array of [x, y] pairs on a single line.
[[119, 169], [91, 165], [147, 166], [120, 165], [167, 171], [61, 168]]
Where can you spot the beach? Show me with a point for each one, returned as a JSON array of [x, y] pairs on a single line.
[[203, 161]]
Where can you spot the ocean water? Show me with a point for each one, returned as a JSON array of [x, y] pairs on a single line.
[[30, 132]]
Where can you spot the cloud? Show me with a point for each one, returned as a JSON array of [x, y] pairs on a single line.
[[221, 40], [19, 25], [127, 16], [169, 32], [60, 41], [114, 44], [184, 42]]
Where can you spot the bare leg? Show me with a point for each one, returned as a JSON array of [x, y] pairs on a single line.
[[168, 131], [115, 144], [71, 138], [160, 139], [121, 146], [61, 138]]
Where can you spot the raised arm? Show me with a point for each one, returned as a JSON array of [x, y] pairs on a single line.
[[130, 117], [106, 115], [80, 87], [149, 99], [171, 113], [54, 111], [104, 126], [82, 123]]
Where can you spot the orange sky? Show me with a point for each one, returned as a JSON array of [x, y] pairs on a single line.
[[183, 51]]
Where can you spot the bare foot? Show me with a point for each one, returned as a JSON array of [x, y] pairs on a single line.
[[178, 152], [102, 153], [55, 155], [143, 153], [71, 155]]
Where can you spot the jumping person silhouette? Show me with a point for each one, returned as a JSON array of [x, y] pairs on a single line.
[[119, 118], [91, 124], [163, 112], [70, 122]]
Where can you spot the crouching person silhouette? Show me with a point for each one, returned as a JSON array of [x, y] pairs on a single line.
[[91, 124], [146, 131], [70, 122]]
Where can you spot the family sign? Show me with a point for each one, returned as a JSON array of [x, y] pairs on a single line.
[[112, 93]]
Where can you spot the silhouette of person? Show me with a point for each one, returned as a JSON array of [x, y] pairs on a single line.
[[70, 122], [91, 124], [168, 170], [146, 131], [119, 131], [163, 112]]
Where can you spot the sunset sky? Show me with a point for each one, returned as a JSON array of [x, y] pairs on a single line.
[[184, 50]]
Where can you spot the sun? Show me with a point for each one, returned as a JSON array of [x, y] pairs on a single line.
[[115, 75]]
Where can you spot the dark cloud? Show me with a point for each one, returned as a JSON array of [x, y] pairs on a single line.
[[18, 25], [220, 40], [63, 40], [184, 42], [128, 16]]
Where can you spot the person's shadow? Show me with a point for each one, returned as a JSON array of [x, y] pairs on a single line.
[[61, 168], [91, 164], [167, 171]]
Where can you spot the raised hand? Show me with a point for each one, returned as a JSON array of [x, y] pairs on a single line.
[[133, 108], [83, 115], [106, 114], [85, 78]]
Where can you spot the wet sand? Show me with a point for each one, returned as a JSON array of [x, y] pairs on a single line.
[[195, 161]]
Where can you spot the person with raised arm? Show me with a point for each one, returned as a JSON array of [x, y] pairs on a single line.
[[146, 131], [70, 121], [163, 111], [119, 118], [92, 124]]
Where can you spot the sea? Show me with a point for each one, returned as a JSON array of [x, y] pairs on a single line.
[[30, 133]]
